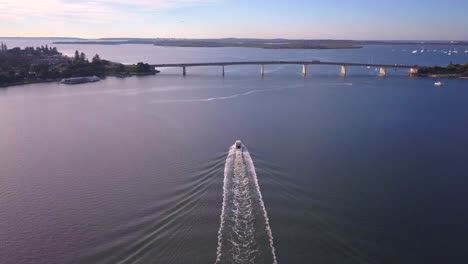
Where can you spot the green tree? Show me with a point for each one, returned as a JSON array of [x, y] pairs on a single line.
[[143, 67], [3, 46], [82, 57], [96, 59], [77, 56]]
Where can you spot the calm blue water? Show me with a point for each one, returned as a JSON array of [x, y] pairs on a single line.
[[138, 170]]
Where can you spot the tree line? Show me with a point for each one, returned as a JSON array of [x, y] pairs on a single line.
[[46, 63]]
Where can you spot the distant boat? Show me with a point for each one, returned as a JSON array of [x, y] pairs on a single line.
[[438, 83], [466, 51], [435, 50], [422, 50], [414, 51], [455, 51], [78, 80], [370, 62]]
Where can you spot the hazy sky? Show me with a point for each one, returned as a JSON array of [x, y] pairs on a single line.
[[337, 19]]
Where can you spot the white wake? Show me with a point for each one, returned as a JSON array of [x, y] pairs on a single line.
[[244, 234], [211, 98]]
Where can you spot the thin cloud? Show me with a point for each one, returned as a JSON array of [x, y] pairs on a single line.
[[156, 4], [87, 10]]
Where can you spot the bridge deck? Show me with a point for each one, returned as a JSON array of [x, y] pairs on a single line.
[[283, 62]]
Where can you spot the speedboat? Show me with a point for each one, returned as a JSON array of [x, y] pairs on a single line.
[[438, 83], [238, 144]]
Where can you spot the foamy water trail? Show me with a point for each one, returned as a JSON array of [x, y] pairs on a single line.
[[224, 97], [211, 98], [244, 234]]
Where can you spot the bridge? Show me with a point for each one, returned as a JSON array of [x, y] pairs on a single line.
[[412, 69]]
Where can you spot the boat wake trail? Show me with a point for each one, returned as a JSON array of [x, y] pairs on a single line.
[[212, 98], [244, 234]]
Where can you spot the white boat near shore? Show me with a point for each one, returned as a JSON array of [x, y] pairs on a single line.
[[78, 80]]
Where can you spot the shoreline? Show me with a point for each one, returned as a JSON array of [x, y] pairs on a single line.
[[3, 86], [261, 47], [257, 42], [432, 76], [29, 82], [450, 71], [44, 65], [451, 76], [285, 47], [227, 43]]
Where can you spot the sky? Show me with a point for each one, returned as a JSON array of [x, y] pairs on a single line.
[[294, 19]]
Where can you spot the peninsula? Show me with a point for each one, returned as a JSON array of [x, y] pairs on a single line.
[[451, 71], [46, 64], [279, 43], [225, 42]]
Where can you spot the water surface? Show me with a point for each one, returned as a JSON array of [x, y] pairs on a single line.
[[355, 170]]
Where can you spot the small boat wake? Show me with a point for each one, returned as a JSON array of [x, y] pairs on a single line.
[[244, 234], [228, 97]]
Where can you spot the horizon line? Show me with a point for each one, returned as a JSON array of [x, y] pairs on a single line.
[[214, 38]]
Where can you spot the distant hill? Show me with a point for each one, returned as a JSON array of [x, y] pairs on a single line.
[[255, 43], [226, 42], [58, 38]]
